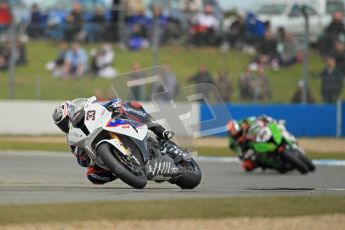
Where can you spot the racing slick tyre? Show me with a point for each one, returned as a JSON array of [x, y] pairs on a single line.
[[137, 179], [295, 161], [307, 161]]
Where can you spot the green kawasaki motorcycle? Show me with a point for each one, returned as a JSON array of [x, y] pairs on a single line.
[[275, 148]]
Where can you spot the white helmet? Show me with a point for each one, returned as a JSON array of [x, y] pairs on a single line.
[[60, 116]]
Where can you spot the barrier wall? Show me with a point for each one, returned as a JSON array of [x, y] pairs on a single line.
[[35, 117], [302, 120]]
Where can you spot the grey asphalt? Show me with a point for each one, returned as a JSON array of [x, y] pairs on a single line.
[[55, 177]]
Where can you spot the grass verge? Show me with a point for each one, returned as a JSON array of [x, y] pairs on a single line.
[[183, 61], [12, 144], [172, 209]]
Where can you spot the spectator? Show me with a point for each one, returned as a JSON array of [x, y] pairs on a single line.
[[287, 51], [255, 28], [246, 85], [102, 61], [5, 53], [331, 81], [298, 95], [137, 90], [261, 85], [76, 61], [237, 31], [334, 31], [205, 26], [21, 52], [34, 28], [339, 55], [74, 22], [224, 85], [56, 66], [268, 46], [3, 63], [94, 29], [137, 25], [336, 27], [201, 79], [5, 16], [167, 87], [158, 26], [190, 8]]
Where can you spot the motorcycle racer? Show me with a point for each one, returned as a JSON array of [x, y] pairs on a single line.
[[240, 133], [132, 110]]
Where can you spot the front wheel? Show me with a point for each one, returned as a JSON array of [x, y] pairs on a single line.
[[307, 161], [190, 177], [108, 154], [295, 161]]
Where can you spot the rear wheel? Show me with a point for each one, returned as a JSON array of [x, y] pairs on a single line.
[[295, 161], [133, 176]]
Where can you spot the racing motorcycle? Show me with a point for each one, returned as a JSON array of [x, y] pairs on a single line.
[[116, 143], [277, 149]]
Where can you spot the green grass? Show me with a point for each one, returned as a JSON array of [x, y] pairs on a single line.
[[183, 61], [171, 209], [202, 151]]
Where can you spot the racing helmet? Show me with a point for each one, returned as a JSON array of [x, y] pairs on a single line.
[[60, 116], [233, 128]]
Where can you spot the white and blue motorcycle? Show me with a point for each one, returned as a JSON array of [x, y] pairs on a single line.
[[125, 147]]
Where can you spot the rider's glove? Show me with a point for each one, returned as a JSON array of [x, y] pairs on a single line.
[[167, 135]]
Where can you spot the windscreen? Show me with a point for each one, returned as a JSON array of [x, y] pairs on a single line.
[[76, 105]]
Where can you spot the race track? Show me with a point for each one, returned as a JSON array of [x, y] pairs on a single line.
[[56, 177]]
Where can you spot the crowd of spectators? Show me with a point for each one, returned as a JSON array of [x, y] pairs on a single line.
[[196, 23]]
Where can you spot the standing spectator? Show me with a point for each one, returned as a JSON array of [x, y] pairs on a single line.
[[74, 22], [331, 81], [261, 85], [102, 61], [94, 29], [246, 85], [336, 27], [34, 28], [333, 32], [339, 55], [224, 85], [57, 65], [167, 88], [205, 26], [76, 61], [201, 79], [298, 95], [5, 16]]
